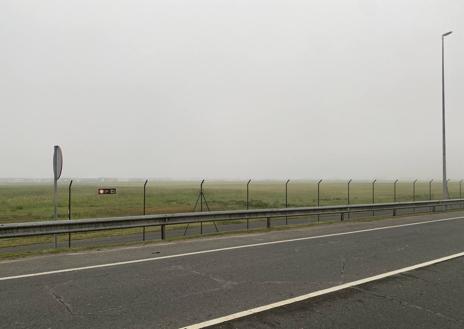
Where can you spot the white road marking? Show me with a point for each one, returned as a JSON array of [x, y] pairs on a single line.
[[151, 259], [319, 293]]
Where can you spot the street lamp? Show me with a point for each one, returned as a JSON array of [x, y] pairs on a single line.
[[445, 183]]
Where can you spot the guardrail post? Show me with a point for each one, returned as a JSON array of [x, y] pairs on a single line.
[[341, 216], [163, 231], [69, 210], [268, 222]]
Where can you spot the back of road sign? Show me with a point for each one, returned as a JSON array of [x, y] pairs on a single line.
[[57, 162]]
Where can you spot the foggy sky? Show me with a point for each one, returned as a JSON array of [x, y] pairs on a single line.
[[230, 89]]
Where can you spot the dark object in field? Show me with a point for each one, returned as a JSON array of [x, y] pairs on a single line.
[[106, 190]]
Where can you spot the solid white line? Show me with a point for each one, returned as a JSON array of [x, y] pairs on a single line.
[[319, 293], [143, 260]]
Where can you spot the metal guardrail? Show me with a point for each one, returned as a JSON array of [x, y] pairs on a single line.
[[163, 220]]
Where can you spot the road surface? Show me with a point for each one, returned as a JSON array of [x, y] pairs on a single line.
[[429, 297], [174, 285]]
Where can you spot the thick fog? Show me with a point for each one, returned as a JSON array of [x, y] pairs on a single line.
[[230, 89]]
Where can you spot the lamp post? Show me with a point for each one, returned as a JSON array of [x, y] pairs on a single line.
[[445, 182]]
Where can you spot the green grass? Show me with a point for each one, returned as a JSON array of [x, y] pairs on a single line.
[[32, 202], [21, 202]]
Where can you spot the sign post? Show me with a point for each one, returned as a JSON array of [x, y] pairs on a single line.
[[57, 168]]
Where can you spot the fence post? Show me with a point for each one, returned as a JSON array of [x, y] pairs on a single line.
[[69, 210], [460, 192], [318, 197], [348, 191], [460, 189], [248, 201], [144, 205], [248, 194], [430, 189], [348, 197], [286, 193], [286, 199], [445, 206], [201, 196], [144, 196], [373, 195], [394, 196], [414, 190]]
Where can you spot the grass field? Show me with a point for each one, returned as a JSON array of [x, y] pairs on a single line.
[[20, 202]]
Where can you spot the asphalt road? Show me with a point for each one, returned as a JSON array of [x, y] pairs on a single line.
[[177, 284], [425, 298]]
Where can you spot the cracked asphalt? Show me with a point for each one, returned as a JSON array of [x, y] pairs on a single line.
[[183, 290], [430, 297]]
